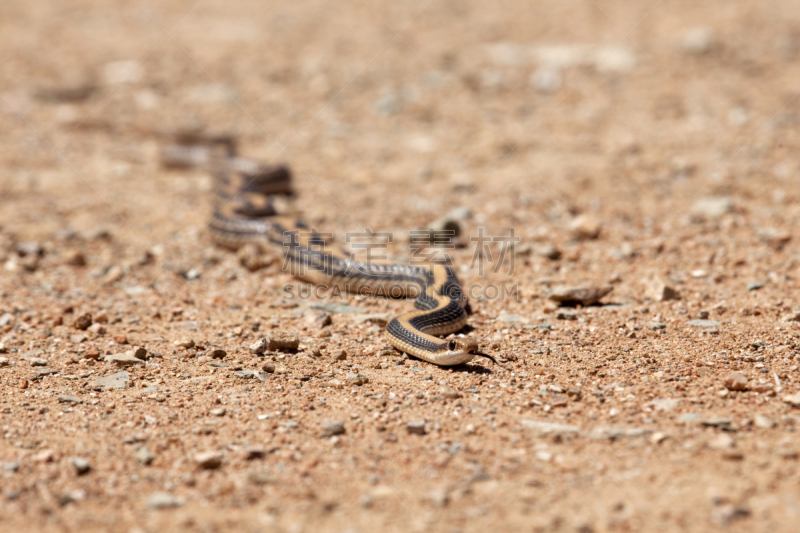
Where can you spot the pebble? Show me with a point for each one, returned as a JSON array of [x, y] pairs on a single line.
[[83, 321], [4, 362], [114, 381], [697, 41], [585, 227], [722, 441], [509, 318], [584, 295], [318, 319], [376, 318], [754, 286], [335, 308], [658, 291], [138, 352], [704, 323], [79, 338], [209, 460], [566, 314], [550, 251], [269, 367], [37, 361], [655, 326], [123, 359], [282, 340], [75, 258], [81, 465], [332, 427], [68, 398], [550, 428], [792, 399], [340, 355], [46, 371], [736, 381], [259, 347], [665, 404], [357, 379], [217, 353], [190, 325], [763, 422], [220, 411], [144, 456], [416, 427], [12, 466], [546, 79], [163, 500], [185, 342], [711, 208], [449, 392]]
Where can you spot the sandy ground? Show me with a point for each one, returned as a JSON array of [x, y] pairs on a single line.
[[650, 146]]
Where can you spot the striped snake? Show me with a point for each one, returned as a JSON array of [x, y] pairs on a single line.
[[244, 213]]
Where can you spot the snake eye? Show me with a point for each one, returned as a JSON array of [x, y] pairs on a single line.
[[451, 345]]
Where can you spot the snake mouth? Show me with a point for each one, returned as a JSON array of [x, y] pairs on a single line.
[[481, 354]]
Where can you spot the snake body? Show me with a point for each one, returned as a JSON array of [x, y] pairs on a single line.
[[243, 213]]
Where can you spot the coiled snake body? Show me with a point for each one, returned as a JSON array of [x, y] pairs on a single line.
[[244, 213]]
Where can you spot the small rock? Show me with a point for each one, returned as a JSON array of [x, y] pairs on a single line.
[[139, 353], [754, 286], [81, 465], [550, 251], [658, 291], [162, 500], [253, 258], [711, 208], [697, 41], [332, 427], [97, 329], [509, 318], [144, 456], [376, 318], [704, 323], [736, 381], [269, 367], [335, 308], [449, 392], [792, 399], [259, 347], [357, 379], [114, 381], [416, 427], [185, 342], [585, 227], [763, 422], [282, 340], [723, 441], [68, 398], [665, 404], [582, 295], [655, 326], [318, 319], [566, 314], [217, 412], [74, 258], [79, 338], [340, 355], [37, 361], [550, 428], [4, 362], [46, 371], [209, 460], [44, 456], [83, 321], [217, 353], [123, 360], [546, 79], [658, 437]]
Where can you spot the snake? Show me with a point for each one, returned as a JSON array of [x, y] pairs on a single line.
[[244, 212]]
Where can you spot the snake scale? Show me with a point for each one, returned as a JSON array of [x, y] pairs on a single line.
[[244, 213]]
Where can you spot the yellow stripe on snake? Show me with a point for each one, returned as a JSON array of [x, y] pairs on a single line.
[[244, 213]]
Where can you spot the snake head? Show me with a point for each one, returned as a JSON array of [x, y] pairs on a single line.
[[463, 349]]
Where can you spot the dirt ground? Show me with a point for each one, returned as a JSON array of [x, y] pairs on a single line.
[[649, 146]]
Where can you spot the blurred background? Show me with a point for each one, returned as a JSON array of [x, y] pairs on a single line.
[[534, 111]]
